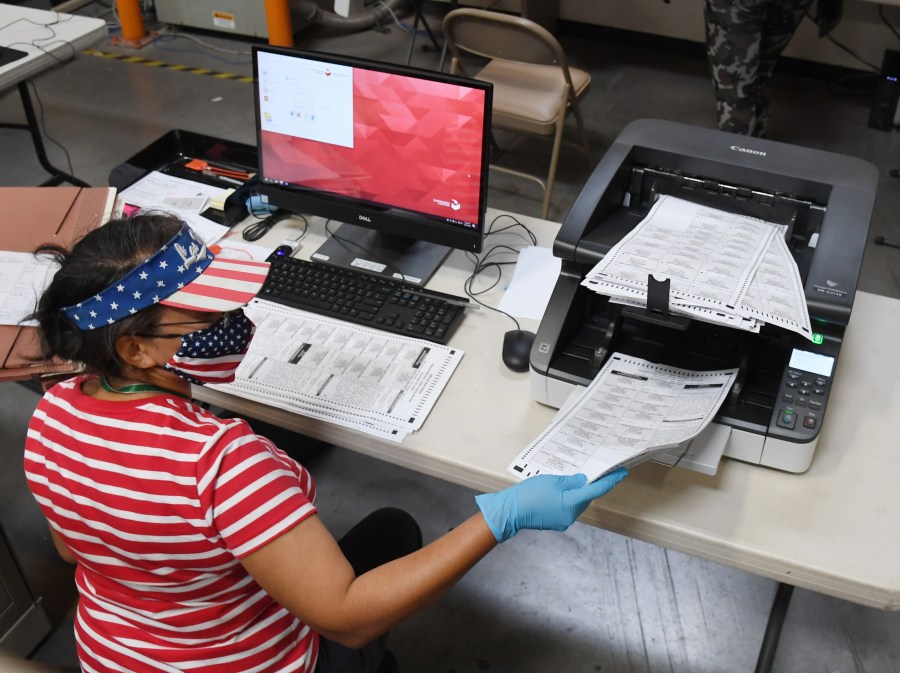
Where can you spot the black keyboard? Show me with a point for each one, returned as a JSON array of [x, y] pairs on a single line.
[[364, 299]]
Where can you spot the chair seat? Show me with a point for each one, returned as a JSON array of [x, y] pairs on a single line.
[[526, 96], [529, 71]]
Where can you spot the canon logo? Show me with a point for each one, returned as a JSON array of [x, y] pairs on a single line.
[[747, 150], [365, 218]]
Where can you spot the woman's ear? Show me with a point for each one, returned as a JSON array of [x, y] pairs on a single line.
[[134, 351]]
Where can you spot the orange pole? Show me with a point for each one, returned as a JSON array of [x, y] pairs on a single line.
[[278, 22], [131, 20]]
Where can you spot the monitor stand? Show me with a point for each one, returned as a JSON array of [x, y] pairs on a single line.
[[395, 257]]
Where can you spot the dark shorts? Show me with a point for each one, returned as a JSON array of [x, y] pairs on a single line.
[[381, 537]]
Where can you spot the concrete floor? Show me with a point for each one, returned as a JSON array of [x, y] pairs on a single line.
[[584, 601]]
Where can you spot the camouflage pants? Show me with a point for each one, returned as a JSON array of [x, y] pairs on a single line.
[[744, 39]]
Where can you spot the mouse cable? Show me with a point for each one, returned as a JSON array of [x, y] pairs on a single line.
[[305, 229], [528, 235], [480, 265], [483, 264]]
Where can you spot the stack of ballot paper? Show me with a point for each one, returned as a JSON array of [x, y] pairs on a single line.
[[632, 410], [370, 380], [724, 268]]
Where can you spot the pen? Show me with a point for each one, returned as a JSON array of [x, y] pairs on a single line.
[[217, 169], [231, 168], [231, 174], [222, 177]]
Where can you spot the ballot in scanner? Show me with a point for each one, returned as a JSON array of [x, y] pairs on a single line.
[[777, 406]]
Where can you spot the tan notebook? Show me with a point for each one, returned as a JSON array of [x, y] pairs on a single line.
[[29, 218]]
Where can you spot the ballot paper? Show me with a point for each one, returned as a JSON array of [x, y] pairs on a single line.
[[724, 268], [630, 411], [377, 382]]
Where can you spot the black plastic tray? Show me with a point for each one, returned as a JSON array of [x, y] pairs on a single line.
[[173, 150]]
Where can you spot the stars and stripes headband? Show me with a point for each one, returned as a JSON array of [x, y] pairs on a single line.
[[183, 274]]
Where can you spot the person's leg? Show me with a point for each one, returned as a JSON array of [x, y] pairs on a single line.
[[781, 23], [733, 33], [372, 658], [381, 537]]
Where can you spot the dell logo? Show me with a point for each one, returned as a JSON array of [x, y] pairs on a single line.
[[747, 150], [365, 218]]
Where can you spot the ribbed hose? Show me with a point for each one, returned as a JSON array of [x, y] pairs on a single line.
[[312, 13]]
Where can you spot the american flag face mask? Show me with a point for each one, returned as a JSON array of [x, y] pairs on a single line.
[[213, 354]]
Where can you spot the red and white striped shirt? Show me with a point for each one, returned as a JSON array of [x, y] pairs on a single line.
[[157, 499]]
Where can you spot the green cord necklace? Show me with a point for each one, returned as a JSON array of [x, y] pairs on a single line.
[[137, 388]]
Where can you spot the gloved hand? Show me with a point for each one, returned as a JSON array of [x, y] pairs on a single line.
[[543, 502]]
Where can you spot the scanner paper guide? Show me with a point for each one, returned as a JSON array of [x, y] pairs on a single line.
[[630, 411], [366, 379], [728, 269]]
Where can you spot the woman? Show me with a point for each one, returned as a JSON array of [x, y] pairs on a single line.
[[196, 541]]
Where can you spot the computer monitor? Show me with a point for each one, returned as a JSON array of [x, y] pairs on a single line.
[[397, 155]]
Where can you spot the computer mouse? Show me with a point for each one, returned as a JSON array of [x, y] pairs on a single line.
[[516, 351]]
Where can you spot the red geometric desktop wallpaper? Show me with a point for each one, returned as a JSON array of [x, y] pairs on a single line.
[[417, 145]]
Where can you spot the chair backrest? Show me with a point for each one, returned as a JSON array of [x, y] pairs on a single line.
[[491, 35]]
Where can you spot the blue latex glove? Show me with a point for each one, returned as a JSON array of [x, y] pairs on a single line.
[[543, 502]]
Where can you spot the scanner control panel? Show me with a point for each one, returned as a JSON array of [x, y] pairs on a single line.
[[803, 395]]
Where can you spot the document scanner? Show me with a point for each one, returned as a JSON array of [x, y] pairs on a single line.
[[777, 405]]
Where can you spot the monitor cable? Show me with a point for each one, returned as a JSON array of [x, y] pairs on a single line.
[[257, 230], [489, 262], [346, 243]]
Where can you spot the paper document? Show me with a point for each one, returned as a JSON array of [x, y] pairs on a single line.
[[535, 276], [632, 409], [370, 380], [724, 268], [23, 278], [158, 191]]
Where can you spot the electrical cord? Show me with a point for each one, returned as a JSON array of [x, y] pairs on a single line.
[[346, 243], [886, 22], [43, 128], [34, 42], [488, 262], [257, 230], [862, 84], [60, 60], [852, 53], [161, 39]]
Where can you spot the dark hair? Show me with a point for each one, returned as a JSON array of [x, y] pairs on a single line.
[[93, 264]]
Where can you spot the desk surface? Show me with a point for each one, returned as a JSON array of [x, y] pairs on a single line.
[[47, 37], [832, 530]]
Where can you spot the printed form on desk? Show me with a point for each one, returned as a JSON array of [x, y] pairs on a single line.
[[376, 382], [632, 410], [185, 198], [23, 278]]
